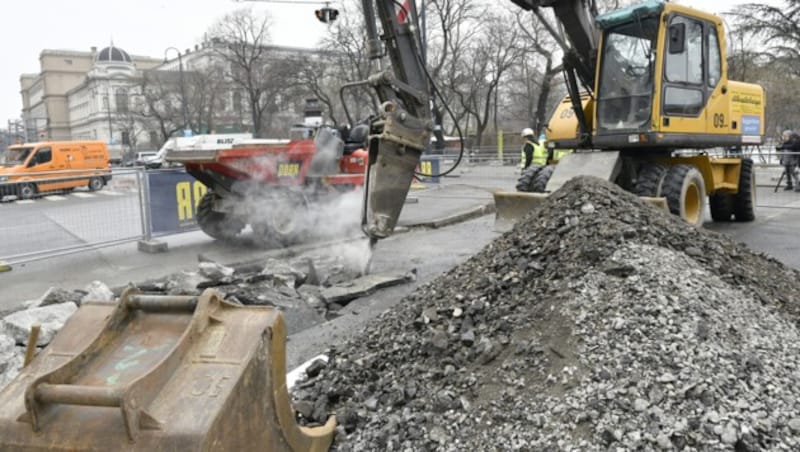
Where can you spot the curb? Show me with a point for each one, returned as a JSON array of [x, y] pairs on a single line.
[[459, 217]]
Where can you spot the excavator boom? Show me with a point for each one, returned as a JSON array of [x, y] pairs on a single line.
[[401, 131]]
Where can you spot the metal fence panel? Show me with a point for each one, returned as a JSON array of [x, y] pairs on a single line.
[[58, 223], [171, 198]]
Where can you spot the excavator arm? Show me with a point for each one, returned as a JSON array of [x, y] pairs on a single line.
[[401, 131]]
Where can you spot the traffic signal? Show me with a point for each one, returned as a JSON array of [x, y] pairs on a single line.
[[326, 15]]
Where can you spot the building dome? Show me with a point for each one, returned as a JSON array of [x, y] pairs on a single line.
[[113, 54]]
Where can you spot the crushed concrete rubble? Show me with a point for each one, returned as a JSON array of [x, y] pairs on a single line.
[[97, 291], [296, 286], [51, 318], [597, 323]]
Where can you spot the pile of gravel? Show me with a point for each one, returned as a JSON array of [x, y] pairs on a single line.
[[598, 322]]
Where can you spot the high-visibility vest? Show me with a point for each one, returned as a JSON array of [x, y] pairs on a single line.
[[539, 154], [559, 154]]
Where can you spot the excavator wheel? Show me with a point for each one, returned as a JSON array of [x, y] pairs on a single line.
[[525, 182], [539, 182], [650, 182], [744, 202], [216, 224], [685, 191], [721, 205]]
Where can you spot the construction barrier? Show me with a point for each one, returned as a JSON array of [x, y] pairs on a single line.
[[171, 198]]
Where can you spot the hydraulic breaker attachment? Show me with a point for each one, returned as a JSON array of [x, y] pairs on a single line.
[[159, 373]]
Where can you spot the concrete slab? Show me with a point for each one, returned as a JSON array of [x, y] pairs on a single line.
[[364, 286], [152, 246]]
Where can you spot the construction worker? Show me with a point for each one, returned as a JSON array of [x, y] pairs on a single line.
[[790, 144], [532, 150], [553, 154]]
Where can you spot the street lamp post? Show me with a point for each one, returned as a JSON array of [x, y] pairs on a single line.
[[183, 88]]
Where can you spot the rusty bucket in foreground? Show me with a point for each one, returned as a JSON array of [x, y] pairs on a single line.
[[159, 373]]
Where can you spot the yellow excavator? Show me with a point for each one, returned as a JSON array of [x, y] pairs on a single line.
[[163, 373], [648, 93]]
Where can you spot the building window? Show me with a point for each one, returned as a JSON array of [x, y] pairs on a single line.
[[237, 101], [126, 138], [121, 99], [687, 66]]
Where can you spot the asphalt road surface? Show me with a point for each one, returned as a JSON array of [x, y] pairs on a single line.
[[64, 220]]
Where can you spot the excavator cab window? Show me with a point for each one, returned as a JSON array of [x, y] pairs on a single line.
[[625, 94], [684, 90]]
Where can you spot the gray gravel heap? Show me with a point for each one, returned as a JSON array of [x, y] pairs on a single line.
[[597, 323]]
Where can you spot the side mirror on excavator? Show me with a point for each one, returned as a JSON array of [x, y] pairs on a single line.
[[677, 38]]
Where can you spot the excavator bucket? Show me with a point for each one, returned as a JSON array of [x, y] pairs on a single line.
[[511, 206], [159, 373]]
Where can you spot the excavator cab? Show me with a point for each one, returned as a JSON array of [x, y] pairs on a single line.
[[660, 82], [626, 77]]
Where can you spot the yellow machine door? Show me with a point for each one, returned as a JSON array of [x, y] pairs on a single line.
[[683, 92], [718, 108]]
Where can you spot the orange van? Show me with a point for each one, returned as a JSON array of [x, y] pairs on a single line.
[[32, 168]]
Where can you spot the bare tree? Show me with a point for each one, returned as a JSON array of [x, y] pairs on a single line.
[[241, 40], [452, 32], [205, 95], [778, 27], [161, 102], [345, 60], [321, 80], [484, 68], [539, 69]]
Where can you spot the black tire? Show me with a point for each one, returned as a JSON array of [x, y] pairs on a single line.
[[744, 202], [216, 225], [525, 181], [96, 183], [26, 191], [721, 205], [541, 178], [286, 223], [685, 191], [650, 180]]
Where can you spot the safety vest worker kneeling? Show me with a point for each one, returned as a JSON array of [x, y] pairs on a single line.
[[532, 150]]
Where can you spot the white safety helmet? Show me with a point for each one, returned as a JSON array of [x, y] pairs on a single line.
[[527, 132]]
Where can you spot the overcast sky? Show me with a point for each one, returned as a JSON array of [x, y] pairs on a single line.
[[142, 27]]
